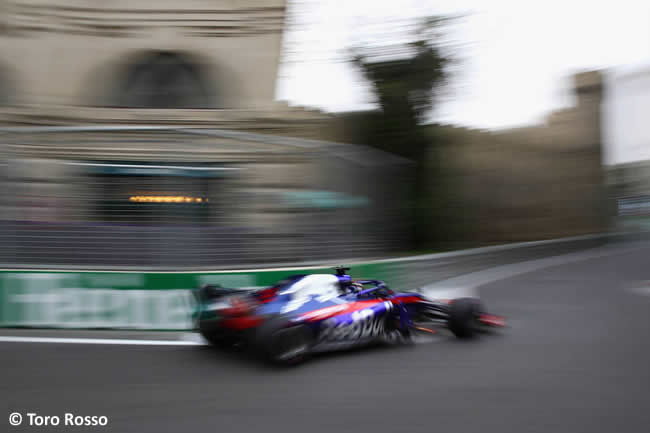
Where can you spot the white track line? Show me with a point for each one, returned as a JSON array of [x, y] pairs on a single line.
[[134, 342], [420, 339], [641, 290]]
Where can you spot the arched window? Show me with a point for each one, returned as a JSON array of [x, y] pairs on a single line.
[[164, 80]]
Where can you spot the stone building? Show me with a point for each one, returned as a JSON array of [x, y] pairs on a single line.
[[110, 192], [528, 183], [197, 62]]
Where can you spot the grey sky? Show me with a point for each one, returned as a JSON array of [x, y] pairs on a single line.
[[515, 55]]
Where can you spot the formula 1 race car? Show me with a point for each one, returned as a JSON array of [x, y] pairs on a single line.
[[304, 314]]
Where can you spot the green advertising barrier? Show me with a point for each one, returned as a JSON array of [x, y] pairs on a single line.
[[126, 300], [163, 300]]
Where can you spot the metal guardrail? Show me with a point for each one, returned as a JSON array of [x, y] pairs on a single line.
[[148, 197], [416, 272], [143, 300]]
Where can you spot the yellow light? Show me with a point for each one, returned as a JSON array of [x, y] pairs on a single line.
[[166, 199]]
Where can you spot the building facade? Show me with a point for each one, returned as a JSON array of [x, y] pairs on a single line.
[[627, 139], [210, 181], [143, 54], [537, 182], [204, 63]]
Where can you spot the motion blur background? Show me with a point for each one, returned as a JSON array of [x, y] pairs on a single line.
[[151, 135], [148, 147]]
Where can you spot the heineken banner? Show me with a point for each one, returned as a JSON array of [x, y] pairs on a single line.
[[123, 300]]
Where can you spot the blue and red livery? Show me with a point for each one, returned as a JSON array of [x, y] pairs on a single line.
[[304, 314]]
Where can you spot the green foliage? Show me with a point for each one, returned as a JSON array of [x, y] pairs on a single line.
[[404, 79]]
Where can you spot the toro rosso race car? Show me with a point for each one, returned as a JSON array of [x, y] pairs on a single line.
[[304, 314]]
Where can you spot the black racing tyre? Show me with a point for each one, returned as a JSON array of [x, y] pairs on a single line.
[[280, 342], [214, 335], [209, 326], [463, 317]]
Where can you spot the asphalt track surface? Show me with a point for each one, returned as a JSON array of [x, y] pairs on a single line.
[[575, 358]]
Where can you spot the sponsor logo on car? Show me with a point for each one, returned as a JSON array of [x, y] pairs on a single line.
[[364, 324]]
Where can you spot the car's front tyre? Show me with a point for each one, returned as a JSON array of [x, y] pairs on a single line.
[[464, 314]]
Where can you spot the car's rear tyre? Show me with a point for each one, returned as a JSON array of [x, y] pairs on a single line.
[[207, 324], [214, 335], [464, 316], [283, 343]]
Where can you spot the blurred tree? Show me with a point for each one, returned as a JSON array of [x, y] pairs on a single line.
[[404, 79]]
